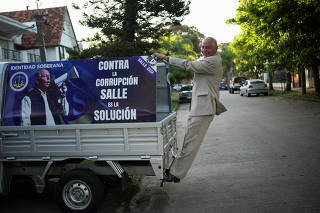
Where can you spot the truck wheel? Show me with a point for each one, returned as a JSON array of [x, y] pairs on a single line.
[[80, 191]]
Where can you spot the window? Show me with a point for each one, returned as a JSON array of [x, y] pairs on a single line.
[[257, 82]]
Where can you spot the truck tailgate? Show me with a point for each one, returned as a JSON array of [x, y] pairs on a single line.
[[102, 141]]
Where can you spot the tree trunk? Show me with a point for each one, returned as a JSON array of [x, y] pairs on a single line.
[[288, 86], [227, 74], [303, 81], [316, 80], [130, 17], [270, 81], [257, 73]]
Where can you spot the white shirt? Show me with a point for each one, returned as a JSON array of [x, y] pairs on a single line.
[[26, 109]]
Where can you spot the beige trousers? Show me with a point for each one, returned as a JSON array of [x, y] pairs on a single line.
[[197, 127]]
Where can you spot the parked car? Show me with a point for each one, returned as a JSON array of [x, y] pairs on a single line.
[[177, 87], [223, 86], [236, 83], [254, 86], [185, 94]]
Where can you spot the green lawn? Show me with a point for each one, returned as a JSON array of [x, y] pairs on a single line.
[[296, 94], [174, 99]]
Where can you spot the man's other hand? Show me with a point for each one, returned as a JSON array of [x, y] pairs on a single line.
[[161, 56]]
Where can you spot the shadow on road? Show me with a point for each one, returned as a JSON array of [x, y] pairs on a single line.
[[24, 198]]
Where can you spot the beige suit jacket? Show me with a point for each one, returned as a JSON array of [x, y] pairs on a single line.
[[206, 81]]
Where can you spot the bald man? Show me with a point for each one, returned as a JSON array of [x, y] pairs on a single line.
[[38, 107], [204, 105]]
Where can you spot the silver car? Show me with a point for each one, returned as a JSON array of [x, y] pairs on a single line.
[[254, 86], [185, 94]]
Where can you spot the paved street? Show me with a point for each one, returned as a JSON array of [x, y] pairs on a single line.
[[262, 155]]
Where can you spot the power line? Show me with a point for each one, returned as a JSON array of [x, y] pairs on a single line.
[[50, 25]]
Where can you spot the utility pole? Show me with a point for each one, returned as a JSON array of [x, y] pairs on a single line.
[[40, 19]]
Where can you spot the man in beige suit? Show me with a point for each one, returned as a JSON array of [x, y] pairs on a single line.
[[204, 105]]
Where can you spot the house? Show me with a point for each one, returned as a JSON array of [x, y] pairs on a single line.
[[58, 33], [280, 77], [10, 32]]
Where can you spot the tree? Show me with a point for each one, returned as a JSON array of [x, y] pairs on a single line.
[[190, 33], [178, 46], [129, 27], [184, 42], [280, 32], [227, 61]]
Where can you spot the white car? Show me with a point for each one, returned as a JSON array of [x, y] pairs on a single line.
[[254, 86], [177, 87]]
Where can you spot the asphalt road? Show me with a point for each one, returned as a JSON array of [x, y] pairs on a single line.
[[261, 156]]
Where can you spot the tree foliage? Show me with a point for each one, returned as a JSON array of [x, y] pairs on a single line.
[[181, 47], [129, 27], [184, 42], [190, 33], [227, 61], [278, 34]]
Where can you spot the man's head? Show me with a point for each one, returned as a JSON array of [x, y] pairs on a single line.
[[209, 47], [43, 79]]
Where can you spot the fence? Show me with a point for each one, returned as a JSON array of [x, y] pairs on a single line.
[[19, 56], [11, 54]]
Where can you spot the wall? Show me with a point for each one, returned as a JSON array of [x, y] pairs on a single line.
[[68, 39]]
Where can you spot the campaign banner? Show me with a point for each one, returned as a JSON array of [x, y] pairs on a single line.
[[111, 90]]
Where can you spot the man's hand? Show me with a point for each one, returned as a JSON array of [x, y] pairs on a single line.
[[161, 56], [63, 89]]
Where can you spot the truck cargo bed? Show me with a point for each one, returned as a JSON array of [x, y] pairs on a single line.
[[123, 141]]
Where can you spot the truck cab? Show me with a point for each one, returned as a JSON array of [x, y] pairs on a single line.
[[236, 83]]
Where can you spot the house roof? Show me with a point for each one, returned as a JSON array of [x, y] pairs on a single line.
[[52, 28], [10, 27]]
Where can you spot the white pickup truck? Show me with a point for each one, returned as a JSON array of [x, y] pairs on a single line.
[[89, 144]]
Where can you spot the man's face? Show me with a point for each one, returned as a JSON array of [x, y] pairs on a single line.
[[208, 48], [44, 80]]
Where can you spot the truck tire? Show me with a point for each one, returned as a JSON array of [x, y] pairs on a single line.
[[80, 191]]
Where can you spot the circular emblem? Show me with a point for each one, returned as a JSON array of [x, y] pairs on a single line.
[[152, 60], [19, 81]]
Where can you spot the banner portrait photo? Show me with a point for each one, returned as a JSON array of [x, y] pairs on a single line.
[[112, 90]]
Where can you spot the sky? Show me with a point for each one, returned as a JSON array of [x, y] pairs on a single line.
[[209, 16]]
